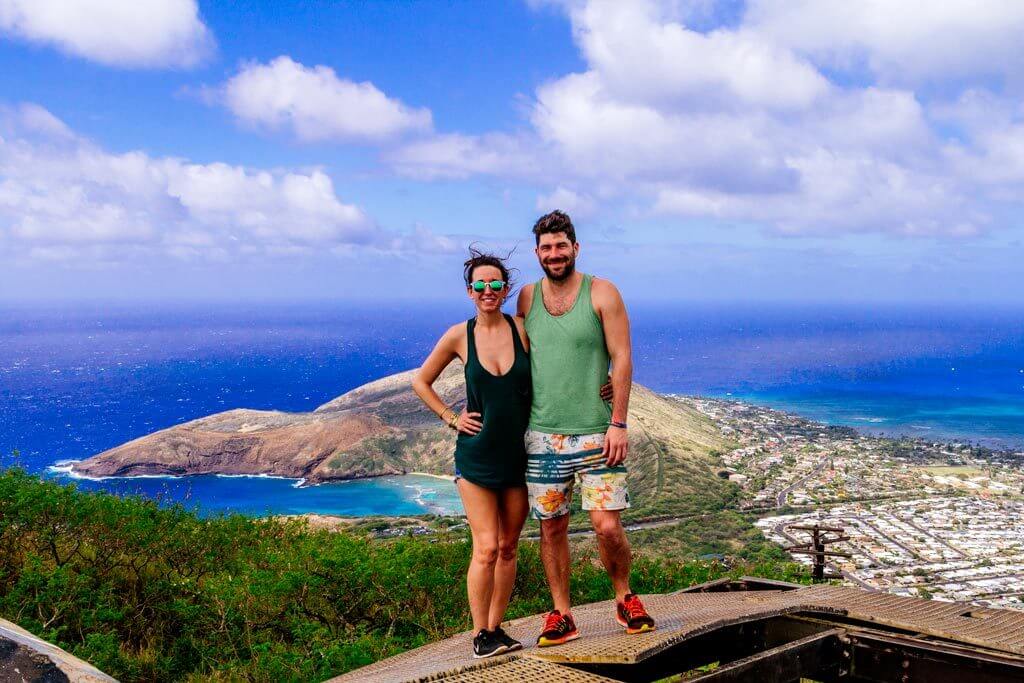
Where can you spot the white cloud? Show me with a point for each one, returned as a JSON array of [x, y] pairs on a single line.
[[265, 207], [644, 59], [977, 109], [459, 156], [140, 33], [33, 119], [749, 122], [578, 204], [900, 41], [315, 104], [843, 193], [422, 240], [990, 146], [608, 139], [60, 192]]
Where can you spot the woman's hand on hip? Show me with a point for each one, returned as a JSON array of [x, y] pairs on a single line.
[[469, 423]]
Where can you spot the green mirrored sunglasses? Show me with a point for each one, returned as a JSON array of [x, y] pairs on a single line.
[[480, 285]]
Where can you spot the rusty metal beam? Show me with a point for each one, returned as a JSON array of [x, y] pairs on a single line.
[[714, 586], [756, 583], [876, 658], [723, 644], [814, 656], [744, 583]]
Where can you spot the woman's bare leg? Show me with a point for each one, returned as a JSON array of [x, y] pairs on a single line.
[[513, 505], [481, 506]]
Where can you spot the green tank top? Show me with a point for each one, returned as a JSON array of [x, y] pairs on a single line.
[[496, 456], [570, 362]]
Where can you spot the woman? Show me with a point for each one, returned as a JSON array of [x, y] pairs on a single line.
[[490, 456]]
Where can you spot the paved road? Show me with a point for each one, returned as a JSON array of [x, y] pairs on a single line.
[[863, 584], [913, 553], [780, 499], [932, 536], [843, 523]]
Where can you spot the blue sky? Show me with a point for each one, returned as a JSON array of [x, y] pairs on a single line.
[[791, 150]]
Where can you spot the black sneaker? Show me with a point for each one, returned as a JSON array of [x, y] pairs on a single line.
[[485, 644], [505, 639]]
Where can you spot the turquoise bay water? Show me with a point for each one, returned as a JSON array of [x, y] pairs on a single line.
[[398, 495], [75, 382]]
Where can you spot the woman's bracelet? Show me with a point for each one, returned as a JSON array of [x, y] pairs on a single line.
[[450, 418]]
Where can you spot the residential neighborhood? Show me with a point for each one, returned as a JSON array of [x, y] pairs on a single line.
[[925, 519]]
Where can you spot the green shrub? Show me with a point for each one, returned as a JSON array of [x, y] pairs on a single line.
[[150, 593]]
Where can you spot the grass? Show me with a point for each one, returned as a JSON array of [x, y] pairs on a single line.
[[952, 470]]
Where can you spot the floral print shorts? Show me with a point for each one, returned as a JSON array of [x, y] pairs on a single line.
[[556, 461]]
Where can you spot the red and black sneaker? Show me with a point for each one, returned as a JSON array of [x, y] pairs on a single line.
[[558, 628], [632, 615]]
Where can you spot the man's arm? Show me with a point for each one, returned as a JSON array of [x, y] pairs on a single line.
[[612, 311], [524, 301]]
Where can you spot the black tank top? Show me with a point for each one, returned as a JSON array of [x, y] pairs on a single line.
[[496, 457]]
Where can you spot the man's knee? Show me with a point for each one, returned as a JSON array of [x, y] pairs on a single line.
[[607, 526], [555, 527]]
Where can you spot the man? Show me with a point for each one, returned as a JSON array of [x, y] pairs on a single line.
[[577, 326]]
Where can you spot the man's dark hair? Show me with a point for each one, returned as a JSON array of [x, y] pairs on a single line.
[[556, 221], [479, 258]]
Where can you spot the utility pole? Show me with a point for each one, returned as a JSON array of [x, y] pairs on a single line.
[[821, 536]]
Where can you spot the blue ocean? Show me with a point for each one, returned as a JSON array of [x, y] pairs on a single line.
[[76, 381]]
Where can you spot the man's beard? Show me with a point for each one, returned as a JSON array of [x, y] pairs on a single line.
[[569, 269]]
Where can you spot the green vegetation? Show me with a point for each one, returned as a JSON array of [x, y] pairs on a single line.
[[149, 593], [373, 454], [724, 532], [952, 470]]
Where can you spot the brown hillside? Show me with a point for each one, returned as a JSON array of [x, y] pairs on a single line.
[[383, 428]]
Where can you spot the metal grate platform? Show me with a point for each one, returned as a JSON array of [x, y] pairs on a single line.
[[686, 618], [517, 669], [993, 629], [679, 617]]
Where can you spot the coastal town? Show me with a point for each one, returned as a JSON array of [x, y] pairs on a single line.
[[924, 519], [946, 548]]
